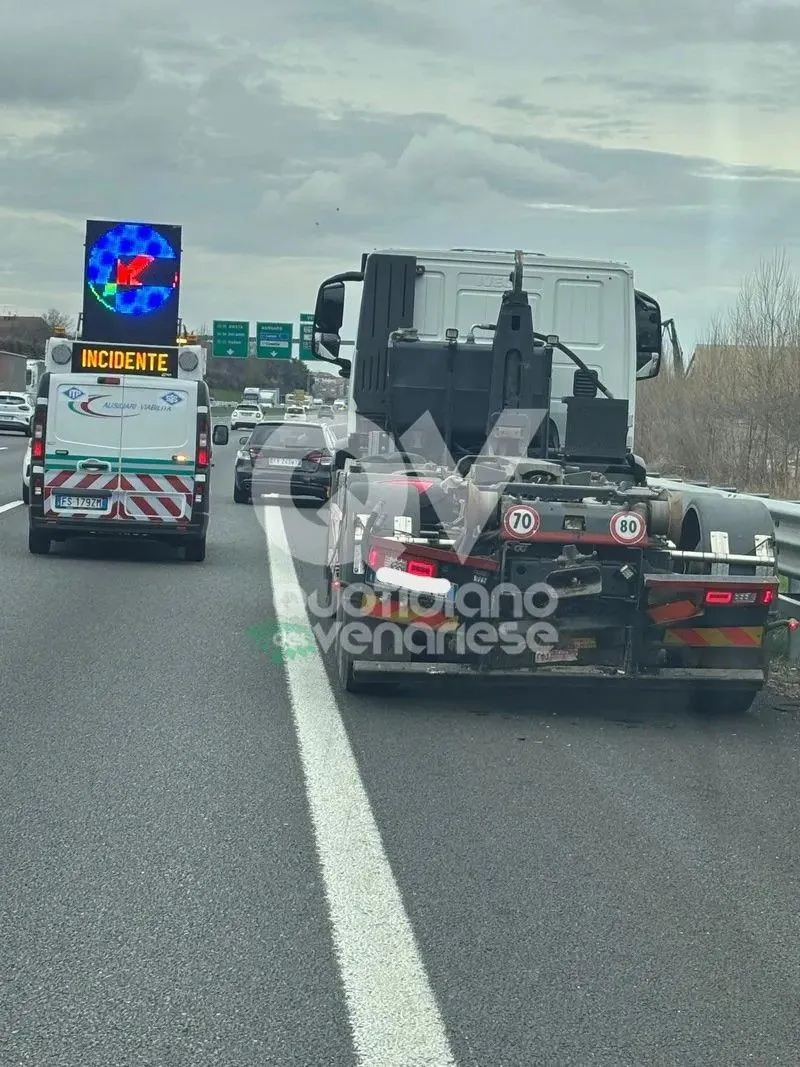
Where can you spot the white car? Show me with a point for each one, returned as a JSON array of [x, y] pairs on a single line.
[[246, 415], [16, 412], [295, 415]]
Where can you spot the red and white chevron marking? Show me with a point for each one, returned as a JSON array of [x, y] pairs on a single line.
[[157, 497], [74, 481], [142, 497]]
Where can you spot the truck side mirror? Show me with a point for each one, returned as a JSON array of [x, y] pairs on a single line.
[[329, 310], [648, 336]]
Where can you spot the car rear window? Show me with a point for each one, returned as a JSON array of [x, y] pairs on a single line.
[[14, 399], [288, 435]]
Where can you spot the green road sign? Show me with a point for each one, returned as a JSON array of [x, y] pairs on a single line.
[[306, 336], [230, 339], [274, 340]]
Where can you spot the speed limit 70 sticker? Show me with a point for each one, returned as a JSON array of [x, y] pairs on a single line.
[[521, 522], [628, 528]]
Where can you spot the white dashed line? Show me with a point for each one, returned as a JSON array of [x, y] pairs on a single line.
[[11, 506], [393, 1011]]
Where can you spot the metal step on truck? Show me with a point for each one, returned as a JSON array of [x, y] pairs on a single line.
[[473, 533]]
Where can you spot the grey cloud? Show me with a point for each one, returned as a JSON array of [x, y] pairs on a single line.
[[520, 104], [772, 92], [246, 170], [655, 24], [50, 71], [206, 138]]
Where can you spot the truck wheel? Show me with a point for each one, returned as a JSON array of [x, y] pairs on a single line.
[[195, 550], [38, 542], [348, 679], [26, 494]]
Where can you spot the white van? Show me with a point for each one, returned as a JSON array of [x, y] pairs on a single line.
[[121, 454]]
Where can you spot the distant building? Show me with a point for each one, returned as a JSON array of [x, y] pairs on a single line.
[[25, 334]]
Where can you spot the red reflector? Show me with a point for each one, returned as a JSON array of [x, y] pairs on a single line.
[[767, 596], [202, 457], [109, 381], [37, 449], [421, 568], [719, 596]]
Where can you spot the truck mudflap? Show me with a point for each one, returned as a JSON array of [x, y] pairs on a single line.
[[680, 631]]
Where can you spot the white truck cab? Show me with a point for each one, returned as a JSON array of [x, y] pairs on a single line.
[[591, 306], [121, 445]]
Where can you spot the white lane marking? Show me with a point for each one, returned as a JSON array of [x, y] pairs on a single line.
[[3, 448], [393, 1011], [9, 507]]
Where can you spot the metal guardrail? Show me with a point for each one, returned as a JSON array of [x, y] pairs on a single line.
[[786, 517]]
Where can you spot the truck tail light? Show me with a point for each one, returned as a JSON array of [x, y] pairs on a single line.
[[738, 597]]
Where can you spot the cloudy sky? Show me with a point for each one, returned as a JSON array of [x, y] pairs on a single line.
[[287, 139]]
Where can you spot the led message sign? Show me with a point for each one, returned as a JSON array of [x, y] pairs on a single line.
[[156, 362], [131, 285]]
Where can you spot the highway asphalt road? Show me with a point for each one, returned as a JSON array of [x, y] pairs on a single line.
[[211, 856]]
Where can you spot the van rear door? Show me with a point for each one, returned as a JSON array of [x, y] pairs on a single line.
[[158, 450], [85, 416]]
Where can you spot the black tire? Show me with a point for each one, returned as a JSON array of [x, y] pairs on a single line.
[[348, 679], [38, 542], [26, 494], [195, 550], [240, 496]]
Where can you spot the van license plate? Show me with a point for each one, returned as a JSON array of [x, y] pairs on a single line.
[[82, 503]]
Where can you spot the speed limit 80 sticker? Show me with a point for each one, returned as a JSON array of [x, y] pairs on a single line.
[[521, 522], [628, 528]]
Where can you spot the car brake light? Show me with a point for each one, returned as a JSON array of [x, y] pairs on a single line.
[[767, 596], [105, 380], [324, 459]]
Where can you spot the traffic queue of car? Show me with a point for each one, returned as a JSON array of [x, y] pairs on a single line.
[[290, 456]]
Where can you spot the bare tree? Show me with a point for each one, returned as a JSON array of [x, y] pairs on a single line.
[[735, 419], [59, 320]]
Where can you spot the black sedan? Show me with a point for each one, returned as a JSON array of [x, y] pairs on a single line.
[[287, 458]]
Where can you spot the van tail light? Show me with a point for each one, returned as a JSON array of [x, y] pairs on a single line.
[[203, 450], [37, 435]]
